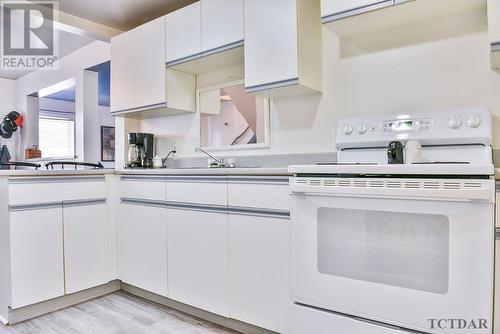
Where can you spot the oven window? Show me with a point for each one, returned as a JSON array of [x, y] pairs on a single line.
[[408, 250]]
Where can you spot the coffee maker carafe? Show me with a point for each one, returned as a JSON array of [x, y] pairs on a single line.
[[141, 150]]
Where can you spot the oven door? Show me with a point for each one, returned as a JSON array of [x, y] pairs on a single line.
[[401, 254]]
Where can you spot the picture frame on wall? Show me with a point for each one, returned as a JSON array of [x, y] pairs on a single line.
[[107, 143]]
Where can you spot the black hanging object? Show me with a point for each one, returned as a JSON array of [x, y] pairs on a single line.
[[10, 124]]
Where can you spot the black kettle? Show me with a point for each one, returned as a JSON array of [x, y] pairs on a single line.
[[395, 153]]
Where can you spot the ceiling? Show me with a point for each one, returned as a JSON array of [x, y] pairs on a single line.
[[118, 14], [121, 14]]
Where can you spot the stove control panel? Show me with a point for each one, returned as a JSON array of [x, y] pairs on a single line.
[[450, 126], [407, 125]]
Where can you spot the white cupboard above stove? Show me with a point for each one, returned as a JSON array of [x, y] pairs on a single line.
[[282, 47], [494, 32], [367, 25], [142, 87], [205, 36]]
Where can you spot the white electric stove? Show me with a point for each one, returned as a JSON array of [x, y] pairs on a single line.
[[402, 247]]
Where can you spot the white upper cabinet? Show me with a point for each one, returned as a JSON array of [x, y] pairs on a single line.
[[494, 20], [137, 67], [334, 8], [140, 84], [150, 63], [123, 71], [494, 31], [183, 32], [282, 47], [222, 23]]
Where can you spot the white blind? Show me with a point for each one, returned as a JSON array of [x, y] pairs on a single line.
[[57, 137]]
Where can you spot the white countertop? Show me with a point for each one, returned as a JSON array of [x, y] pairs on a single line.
[[55, 172], [164, 171], [206, 171]]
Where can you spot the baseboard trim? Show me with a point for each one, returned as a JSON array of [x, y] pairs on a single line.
[[36, 310], [233, 324]]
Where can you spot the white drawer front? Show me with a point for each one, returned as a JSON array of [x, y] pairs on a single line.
[[143, 188], [308, 320], [55, 189], [199, 190], [265, 193]]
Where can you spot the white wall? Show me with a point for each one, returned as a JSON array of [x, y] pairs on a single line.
[[71, 66], [8, 104], [95, 117], [452, 72]]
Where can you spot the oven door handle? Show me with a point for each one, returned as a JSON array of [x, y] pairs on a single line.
[[485, 193]]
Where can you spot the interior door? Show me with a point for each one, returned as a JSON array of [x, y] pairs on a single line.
[[396, 261]]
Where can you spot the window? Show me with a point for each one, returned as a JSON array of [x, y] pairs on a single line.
[[56, 134]]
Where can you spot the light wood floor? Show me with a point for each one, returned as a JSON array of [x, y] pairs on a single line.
[[118, 313]]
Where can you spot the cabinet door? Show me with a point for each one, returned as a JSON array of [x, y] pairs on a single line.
[[85, 246], [494, 20], [183, 32], [198, 260], [222, 23], [271, 54], [150, 63], [331, 7], [36, 255], [259, 270], [142, 247], [496, 320], [123, 71]]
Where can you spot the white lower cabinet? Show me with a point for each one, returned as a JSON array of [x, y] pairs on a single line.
[[198, 259], [259, 271], [37, 271], [142, 247], [85, 245]]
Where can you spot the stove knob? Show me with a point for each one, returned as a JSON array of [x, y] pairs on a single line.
[[361, 128], [474, 121], [347, 129], [455, 122]]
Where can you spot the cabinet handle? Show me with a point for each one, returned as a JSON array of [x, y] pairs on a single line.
[[269, 213], [49, 179], [83, 202], [38, 206]]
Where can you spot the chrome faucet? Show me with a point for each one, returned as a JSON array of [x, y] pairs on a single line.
[[216, 163]]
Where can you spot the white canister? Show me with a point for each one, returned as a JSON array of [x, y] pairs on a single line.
[[157, 163], [413, 152]]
